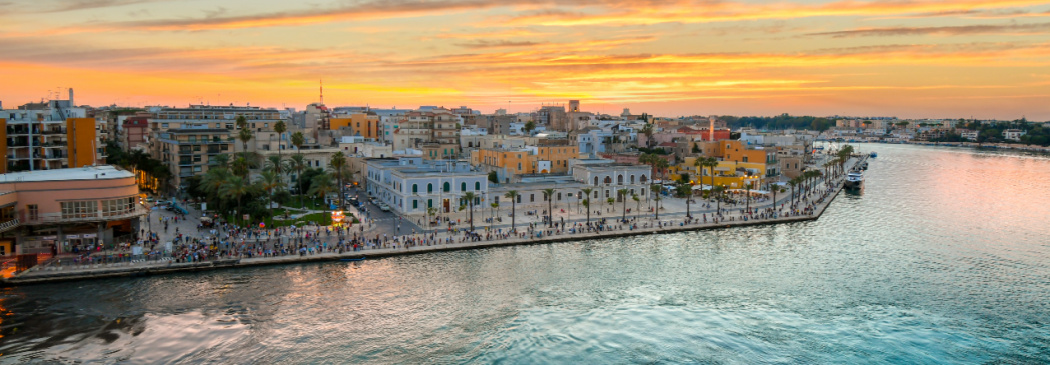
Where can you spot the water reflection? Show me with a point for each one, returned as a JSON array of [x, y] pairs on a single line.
[[943, 259]]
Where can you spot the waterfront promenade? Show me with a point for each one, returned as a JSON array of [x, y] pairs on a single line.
[[328, 247]]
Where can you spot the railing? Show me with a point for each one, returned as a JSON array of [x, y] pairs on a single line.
[[8, 225], [46, 218]]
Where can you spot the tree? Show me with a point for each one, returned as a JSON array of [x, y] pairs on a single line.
[[270, 181], [662, 165], [657, 189], [637, 203], [622, 193], [493, 177], [748, 203], [549, 193], [339, 168], [495, 206], [684, 190], [298, 163], [529, 127], [237, 187], [793, 183], [320, 187], [470, 196], [587, 202], [716, 191], [513, 196]]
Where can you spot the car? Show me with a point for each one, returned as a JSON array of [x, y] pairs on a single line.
[[384, 207]]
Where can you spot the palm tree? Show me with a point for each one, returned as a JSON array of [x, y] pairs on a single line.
[[237, 187], [321, 186], [513, 196], [298, 163], [748, 187], [637, 203], [279, 128], [275, 164], [685, 191], [587, 202], [793, 183], [716, 191], [431, 211], [549, 192], [662, 165], [220, 161], [214, 181], [470, 196], [622, 193], [338, 165], [270, 180], [657, 189]]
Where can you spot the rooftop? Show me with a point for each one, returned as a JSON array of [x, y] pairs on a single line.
[[79, 173]]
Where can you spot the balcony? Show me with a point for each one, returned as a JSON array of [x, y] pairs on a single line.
[[56, 218]]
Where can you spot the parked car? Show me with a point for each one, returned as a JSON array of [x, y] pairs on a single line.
[[384, 207]]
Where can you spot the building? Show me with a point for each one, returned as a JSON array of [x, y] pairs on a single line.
[[366, 125], [48, 136], [189, 152], [134, 133], [550, 157], [67, 210], [1014, 134], [410, 185]]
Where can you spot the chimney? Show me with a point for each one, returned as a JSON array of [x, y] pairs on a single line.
[[71, 104]]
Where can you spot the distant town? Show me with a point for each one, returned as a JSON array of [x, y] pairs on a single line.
[[431, 165]]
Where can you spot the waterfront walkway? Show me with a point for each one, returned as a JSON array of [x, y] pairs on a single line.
[[307, 246]]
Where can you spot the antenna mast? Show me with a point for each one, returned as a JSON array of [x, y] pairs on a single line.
[[321, 83]]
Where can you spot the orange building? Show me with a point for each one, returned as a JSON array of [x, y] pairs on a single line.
[[363, 124], [528, 160]]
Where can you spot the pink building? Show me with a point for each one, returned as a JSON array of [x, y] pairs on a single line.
[[66, 210]]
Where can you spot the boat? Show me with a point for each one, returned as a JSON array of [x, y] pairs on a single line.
[[357, 259], [873, 155], [864, 166], [854, 180]]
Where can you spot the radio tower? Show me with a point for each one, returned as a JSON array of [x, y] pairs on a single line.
[[321, 83]]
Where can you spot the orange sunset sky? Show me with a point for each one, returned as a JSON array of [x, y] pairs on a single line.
[[905, 58]]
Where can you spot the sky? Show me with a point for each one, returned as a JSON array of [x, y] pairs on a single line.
[[904, 58]]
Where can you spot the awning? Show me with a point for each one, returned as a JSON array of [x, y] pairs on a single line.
[[701, 187]]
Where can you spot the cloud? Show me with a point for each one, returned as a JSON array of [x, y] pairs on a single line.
[[742, 11], [1010, 29], [75, 5], [482, 44]]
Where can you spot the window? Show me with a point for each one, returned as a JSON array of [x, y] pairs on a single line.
[[463, 186], [519, 198], [415, 204], [606, 193], [595, 181], [532, 198], [415, 188], [447, 187], [477, 185], [430, 203], [642, 180], [632, 179], [79, 209], [34, 212], [430, 188], [117, 207], [619, 179]]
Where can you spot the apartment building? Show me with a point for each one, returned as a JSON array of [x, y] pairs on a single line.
[[48, 136]]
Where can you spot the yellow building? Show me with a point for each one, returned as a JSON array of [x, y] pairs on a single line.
[[731, 174], [363, 124], [528, 160]]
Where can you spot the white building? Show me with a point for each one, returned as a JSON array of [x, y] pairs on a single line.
[[410, 185], [1014, 134]]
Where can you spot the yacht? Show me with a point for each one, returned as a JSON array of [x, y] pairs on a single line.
[[873, 154], [854, 180]]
